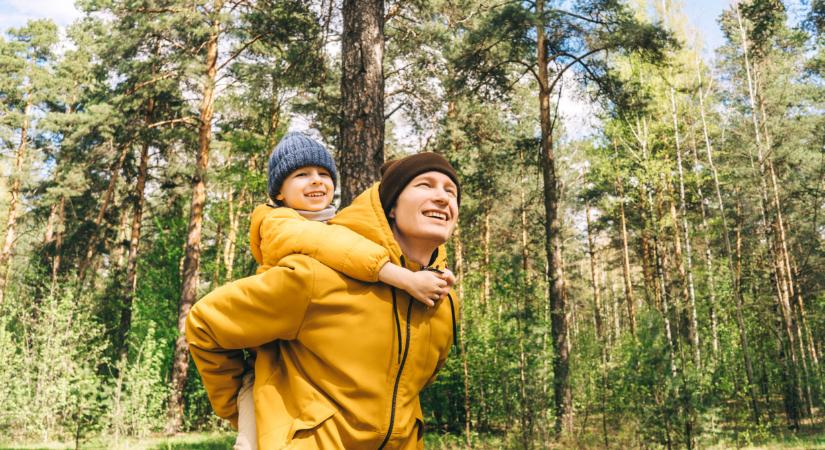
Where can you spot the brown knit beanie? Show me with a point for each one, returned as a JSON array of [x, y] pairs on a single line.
[[396, 174]]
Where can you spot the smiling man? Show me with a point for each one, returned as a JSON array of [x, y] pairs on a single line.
[[343, 361]]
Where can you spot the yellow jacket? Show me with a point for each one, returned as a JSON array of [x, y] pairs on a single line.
[[342, 362]]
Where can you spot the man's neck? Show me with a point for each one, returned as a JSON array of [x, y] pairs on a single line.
[[416, 250]]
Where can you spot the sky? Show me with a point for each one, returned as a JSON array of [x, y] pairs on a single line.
[[14, 13]]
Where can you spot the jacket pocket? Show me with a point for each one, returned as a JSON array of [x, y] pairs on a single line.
[[310, 418], [419, 425]]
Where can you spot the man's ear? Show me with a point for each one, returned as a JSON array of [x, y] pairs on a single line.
[[392, 213], [279, 197]]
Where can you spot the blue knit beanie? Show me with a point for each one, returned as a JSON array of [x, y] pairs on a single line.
[[297, 150]]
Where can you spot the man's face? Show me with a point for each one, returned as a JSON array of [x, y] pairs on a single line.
[[309, 188], [427, 208]]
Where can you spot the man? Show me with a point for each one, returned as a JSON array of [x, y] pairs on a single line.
[[343, 361]]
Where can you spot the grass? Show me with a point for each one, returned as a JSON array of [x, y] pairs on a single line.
[[223, 441], [191, 441]]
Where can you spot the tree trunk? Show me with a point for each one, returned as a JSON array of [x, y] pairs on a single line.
[[114, 174], [232, 235], [785, 259], [562, 392], [711, 279], [733, 265], [191, 263], [120, 240], [628, 286], [361, 150], [459, 266], [772, 230], [134, 241], [524, 315], [660, 261], [485, 271], [14, 201], [58, 240], [597, 302], [693, 329]]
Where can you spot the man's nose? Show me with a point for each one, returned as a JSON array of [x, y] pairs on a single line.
[[441, 196]]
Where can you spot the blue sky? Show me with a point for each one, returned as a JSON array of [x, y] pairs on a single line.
[[702, 15], [14, 13]]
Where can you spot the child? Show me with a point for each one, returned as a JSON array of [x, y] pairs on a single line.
[[302, 178]]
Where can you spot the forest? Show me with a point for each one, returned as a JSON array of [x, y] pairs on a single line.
[[653, 280]]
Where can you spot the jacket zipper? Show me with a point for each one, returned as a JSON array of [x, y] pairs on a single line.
[[400, 370]]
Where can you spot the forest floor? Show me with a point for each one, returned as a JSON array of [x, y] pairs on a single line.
[[206, 441]]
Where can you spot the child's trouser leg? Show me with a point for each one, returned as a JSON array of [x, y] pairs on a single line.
[[247, 431]]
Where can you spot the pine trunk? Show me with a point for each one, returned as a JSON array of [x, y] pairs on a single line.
[[114, 175], [660, 262], [597, 302], [58, 240], [14, 201], [134, 244], [733, 260], [772, 236], [628, 285], [709, 262], [523, 315], [459, 266], [485, 271], [192, 254], [361, 150], [232, 234], [562, 392]]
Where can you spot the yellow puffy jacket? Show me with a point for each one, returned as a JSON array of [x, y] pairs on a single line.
[[341, 363]]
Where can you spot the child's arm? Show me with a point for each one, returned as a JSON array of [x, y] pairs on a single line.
[[425, 286], [284, 232]]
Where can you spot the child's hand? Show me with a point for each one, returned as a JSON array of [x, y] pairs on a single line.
[[447, 275], [427, 287]]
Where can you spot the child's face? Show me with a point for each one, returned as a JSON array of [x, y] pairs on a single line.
[[309, 188]]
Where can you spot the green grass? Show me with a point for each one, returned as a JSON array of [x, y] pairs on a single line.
[[193, 441], [223, 441]]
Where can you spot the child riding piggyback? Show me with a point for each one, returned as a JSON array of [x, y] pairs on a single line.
[[302, 178]]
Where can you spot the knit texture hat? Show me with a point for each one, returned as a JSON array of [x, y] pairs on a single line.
[[395, 175], [297, 150]]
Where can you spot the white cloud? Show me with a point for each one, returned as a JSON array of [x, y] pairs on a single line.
[[15, 13]]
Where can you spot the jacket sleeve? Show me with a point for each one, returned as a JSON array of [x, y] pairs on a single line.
[[246, 313], [333, 245]]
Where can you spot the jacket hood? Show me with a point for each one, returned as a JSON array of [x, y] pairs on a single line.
[[366, 217]]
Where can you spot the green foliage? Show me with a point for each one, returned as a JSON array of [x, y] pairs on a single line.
[[52, 349]]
